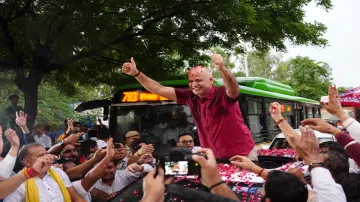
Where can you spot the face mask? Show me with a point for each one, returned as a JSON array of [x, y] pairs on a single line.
[[76, 129]]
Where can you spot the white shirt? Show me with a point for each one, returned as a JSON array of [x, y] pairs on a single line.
[[7, 166], [353, 127], [44, 140], [325, 187], [49, 190], [353, 167], [81, 191], [122, 179]]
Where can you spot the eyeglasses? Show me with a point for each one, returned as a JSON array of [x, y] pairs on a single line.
[[187, 141]]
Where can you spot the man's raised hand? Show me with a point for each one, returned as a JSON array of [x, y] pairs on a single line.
[[129, 68], [21, 118], [218, 60]]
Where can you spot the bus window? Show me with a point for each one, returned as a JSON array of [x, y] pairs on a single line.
[[166, 122], [254, 117], [309, 113], [317, 113]]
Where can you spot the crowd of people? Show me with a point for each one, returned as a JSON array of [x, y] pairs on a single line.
[[85, 164]]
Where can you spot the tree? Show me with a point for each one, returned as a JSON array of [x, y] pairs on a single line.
[[227, 55], [262, 64], [85, 42], [307, 77]]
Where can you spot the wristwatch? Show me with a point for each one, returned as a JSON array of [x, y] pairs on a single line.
[[62, 143], [316, 164]]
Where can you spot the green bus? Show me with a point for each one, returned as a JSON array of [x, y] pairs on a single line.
[[134, 108]]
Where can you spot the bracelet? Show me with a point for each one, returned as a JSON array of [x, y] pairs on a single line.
[[32, 172], [316, 164], [137, 73], [27, 175], [215, 185], [349, 124], [262, 170], [279, 121]]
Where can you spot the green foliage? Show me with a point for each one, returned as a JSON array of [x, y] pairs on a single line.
[[85, 42], [262, 64], [307, 77]]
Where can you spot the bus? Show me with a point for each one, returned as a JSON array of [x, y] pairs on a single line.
[[134, 108]]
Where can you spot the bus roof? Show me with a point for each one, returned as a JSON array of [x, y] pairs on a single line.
[[248, 85]]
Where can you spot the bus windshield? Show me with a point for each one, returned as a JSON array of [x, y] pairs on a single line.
[[164, 121]]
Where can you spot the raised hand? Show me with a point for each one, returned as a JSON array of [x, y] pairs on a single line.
[[218, 60], [12, 137], [72, 139], [320, 125], [154, 187], [209, 170], [110, 151], [70, 124], [21, 118], [99, 154], [308, 147], [146, 149], [334, 105], [275, 111], [42, 164], [129, 68]]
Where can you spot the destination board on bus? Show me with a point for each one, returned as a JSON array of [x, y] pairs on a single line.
[[140, 96]]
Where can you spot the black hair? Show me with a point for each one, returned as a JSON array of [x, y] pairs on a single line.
[[184, 134], [75, 123], [334, 146], [103, 133], [350, 183], [337, 163], [24, 151], [135, 145], [92, 133], [285, 187], [86, 146]]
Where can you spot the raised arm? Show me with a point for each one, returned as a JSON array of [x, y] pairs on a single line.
[[148, 83], [230, 83], [289, 133]]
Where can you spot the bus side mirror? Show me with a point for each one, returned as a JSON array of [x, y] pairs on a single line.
[[106, 113]]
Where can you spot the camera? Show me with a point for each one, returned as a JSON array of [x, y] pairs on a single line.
[[180, 164]]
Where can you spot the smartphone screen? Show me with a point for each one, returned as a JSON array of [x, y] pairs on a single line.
[[176, 167]]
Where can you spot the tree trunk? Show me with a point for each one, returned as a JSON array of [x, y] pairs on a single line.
[[30, 87], [31, 104]]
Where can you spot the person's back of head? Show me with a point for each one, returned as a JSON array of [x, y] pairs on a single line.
[[350, 183], [88, 146], [92, 133], [337, 163], [104, 134], [284, 187], [334, 146]]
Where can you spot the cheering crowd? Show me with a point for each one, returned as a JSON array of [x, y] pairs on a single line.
[[87, 165]]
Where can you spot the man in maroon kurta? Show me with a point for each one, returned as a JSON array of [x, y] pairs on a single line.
[[215, 110]]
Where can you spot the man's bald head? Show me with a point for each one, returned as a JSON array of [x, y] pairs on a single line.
[[199, 70], [200, 80]]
